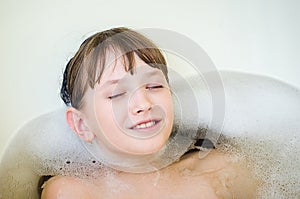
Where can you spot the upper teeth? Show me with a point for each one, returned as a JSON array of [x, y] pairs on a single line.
[[145, 125]]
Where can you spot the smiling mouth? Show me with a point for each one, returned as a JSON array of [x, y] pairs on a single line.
[[145, 125]]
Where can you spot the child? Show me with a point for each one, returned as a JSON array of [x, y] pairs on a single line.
[[121, 107]]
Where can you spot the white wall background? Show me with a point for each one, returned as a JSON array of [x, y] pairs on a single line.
[[37, 37]]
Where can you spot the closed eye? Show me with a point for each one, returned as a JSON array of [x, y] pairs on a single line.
[[116, 95], [154, 86]]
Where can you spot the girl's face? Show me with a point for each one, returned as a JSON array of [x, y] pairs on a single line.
[[130, 113]]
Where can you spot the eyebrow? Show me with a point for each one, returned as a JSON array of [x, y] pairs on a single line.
[[111, 82], [115, 81]]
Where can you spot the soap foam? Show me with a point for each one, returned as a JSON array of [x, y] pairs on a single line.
[[46, 146], [274, 160]]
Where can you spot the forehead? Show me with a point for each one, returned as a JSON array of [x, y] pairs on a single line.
[[117, 65], [118, 75]]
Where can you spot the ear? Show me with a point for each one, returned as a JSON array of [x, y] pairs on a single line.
[[77, 123]]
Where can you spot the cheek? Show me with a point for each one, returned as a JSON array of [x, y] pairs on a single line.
[[167, 102], [103, 115], [110, 116]]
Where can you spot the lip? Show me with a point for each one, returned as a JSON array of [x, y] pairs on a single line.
[[156, 121]]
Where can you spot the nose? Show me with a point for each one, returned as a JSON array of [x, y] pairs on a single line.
[[140, 102]]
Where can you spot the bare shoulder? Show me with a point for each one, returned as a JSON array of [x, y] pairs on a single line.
[[65, 187]]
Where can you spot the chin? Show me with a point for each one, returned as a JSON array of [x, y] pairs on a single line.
[[149, 147]]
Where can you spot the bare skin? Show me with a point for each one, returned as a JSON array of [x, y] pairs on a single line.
[[214, 176]]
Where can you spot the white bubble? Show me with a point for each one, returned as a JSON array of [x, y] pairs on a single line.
[[261, 123]]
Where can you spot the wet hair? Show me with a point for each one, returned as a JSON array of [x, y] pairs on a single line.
[[87, 65]]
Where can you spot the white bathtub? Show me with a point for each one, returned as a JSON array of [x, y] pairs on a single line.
[[255, 105]]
